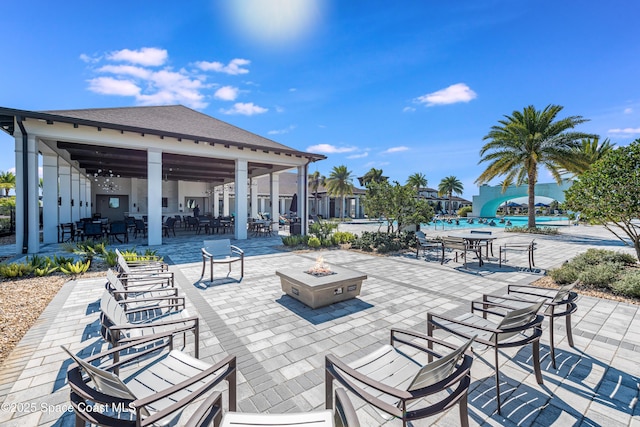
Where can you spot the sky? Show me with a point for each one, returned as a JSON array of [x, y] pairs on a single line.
[[408, 87]]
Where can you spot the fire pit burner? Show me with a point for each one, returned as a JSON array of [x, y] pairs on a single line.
[[320, 268]]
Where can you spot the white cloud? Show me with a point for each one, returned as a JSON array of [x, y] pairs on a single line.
[[148, 56], [293, 89], [89, 59], [358, 156], [453, 94], [279, 109], [111, 86], [281, 131], [234, 67], [395, 150], [226, 93], [628, 110], [628, 131], [129, 70], [408, 110], [330, 149], [245, 108], [374, 164]]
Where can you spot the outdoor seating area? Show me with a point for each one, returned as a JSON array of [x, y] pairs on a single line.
[[424, 343]]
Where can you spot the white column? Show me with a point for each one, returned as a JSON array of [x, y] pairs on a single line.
[[303, 199], [254, 198], [154, 194], [27, 177], [274, 186], [241, 199], [87, 198], [282, 203], [75, 195], [261, 205], [216, 201], [50, 198], [83, 192], [64, 191], [225, 200], [357, 206]]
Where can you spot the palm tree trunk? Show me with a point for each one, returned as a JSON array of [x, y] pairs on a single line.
[[532, 203]]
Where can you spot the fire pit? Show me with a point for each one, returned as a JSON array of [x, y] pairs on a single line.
[[320, 285]]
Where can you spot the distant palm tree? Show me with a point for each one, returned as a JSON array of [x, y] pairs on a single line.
[[527, 139], [448, 186], [316, 179], [7, 181], [417, 181], [374, 175], [591, 150], [340, 184]]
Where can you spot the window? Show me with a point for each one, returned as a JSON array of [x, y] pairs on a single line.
[[114, 202], [165, 202]]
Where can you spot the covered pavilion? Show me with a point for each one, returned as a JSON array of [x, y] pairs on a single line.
[[155, 161]]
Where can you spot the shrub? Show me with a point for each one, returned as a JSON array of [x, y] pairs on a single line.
[[294, 240], [340, 237], [600, 275], [535, 230], [383, 242], [565, 274], [629, 284], [464, 211], [15, 270], [322, 229], [111, 258], [313, 242], [76, 268], [61, 260]]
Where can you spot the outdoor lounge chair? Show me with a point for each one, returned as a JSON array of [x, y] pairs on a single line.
[[424, 244], [120, 325], [529, 248], [516, 329], [148, 264], [401, 379], [560, 302], [210, 413], [221, 252], [158, 384], [137, 290]]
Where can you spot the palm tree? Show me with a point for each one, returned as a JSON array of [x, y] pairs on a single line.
[[340, 184], [448, 186], [7, 181], [316, 179], [591, 150], [524, 141], [417, 180], [374, 175]]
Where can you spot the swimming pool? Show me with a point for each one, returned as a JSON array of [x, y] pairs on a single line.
[[516, 221]]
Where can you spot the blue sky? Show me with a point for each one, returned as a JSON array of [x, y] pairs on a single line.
[[407, 86]]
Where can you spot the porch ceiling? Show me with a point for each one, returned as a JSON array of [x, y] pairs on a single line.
[[130, 163]]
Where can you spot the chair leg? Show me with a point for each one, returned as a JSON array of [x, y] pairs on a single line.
[[551, 341], [464, 410], [497, 373], [569, 332], [536, 361], [204, 265]]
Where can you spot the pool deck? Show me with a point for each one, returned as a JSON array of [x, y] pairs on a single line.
[[280, 343]]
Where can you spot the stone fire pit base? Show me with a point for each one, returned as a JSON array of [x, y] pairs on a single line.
[[317, 292]]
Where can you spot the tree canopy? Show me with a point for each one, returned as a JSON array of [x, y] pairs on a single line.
[[417, 180], [609, 193], [528, 139], [7, 181], [398, 204], [448, 186], [340, 184]]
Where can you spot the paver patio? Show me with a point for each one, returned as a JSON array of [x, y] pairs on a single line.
[[280, 343]]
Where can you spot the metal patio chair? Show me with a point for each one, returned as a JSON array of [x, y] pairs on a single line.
[[529, 248], [559, 302], [221, 252], [159, 385], [517, 328], [397, 377]]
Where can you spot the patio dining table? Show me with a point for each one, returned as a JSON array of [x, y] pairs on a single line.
[[477, 240]]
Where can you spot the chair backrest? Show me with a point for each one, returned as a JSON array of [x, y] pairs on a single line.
[[563, 291], [439, 369], [139, 224], [122, 263], [93, 229], [518, 318], [112, 309], [114, 283], [118, 227], [104, 381], [454, 242], [171, 222], [218, 248]]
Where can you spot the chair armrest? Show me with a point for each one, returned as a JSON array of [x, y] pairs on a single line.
[[237, 250], [171, 302], [345, 410], [431, 316], [156, 324], [210, 411], [169, 291], [229, 374]]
